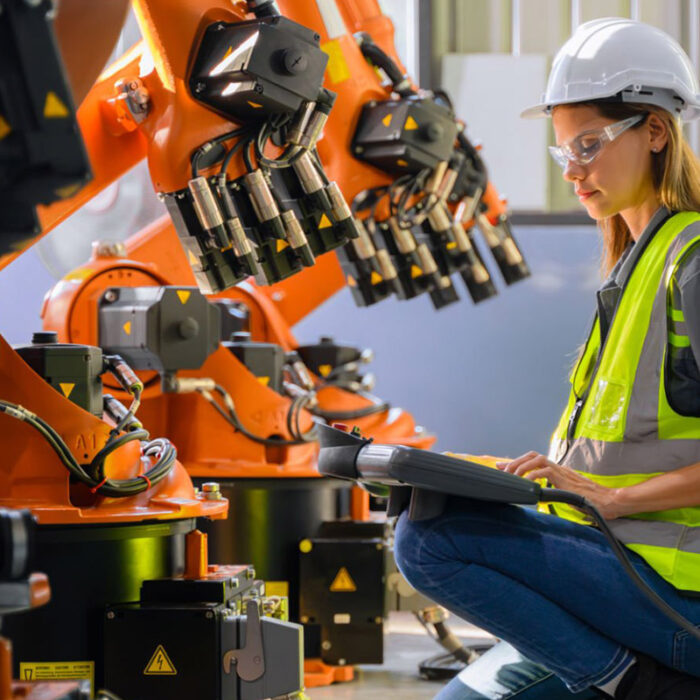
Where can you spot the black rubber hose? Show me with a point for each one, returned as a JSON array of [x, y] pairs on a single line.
[[400, 82]]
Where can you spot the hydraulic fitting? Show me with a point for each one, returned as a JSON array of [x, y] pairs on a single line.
[[297, 238], [439, 219], [264, 203], [450, 178], [242, 247], [207, 211], [468, 206], [318, 119], [363, 245], [341, 211], [426, 260], [300, 123], [117, 367], [188, 385], [405, 242], [311, 181], [436, 177]]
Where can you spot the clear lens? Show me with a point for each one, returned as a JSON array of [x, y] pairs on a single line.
[[558, 155], [586, 146]]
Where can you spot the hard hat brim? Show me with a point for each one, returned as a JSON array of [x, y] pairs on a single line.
[[536, 111]]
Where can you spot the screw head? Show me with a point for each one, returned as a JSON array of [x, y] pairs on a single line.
[[326, 645], [209, 614], [110, 615], [211, 491], [110, 296]]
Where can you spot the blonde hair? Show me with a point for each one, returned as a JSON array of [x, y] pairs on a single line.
[[675, 173]]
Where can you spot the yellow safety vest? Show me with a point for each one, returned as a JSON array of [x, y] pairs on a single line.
[[618, 428]]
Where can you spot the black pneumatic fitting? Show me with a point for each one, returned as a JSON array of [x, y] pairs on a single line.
[[263, 8]]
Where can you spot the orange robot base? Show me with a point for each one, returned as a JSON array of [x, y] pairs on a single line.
[[32, 476]]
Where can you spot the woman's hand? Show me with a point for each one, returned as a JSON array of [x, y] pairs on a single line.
[[533, 465]]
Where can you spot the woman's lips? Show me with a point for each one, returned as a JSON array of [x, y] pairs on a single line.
[[584, 195]]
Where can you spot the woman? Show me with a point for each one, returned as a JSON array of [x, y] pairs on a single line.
[[629, 438]]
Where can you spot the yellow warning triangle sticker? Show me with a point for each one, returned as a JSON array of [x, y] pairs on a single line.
[[264, 380], [68, 190], [160, 664], [376, 278], [183, 295], [401, 162], [451, 245], [5, 128], [325, 370], [325, 222], [281, 245], [192, 258], [416, 271], [127, 327], [387, 120], [254, 105], [66, 388], [54, 108], [343, 583], [351, 281], [411, 124]]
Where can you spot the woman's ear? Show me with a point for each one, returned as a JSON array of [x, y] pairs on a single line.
[[658, 133]]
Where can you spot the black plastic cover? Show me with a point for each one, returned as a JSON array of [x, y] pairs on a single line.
[[42, 156], [159, 328], [405, 135], [250, 70]]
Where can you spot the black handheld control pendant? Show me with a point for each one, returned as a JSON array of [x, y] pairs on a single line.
[[421, 482], [418, 479]]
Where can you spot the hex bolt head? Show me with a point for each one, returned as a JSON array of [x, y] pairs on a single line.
[[211, 491]]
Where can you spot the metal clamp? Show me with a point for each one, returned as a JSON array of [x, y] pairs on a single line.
[[250, 660]]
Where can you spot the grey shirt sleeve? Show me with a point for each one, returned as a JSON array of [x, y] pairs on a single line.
[[688, 281]]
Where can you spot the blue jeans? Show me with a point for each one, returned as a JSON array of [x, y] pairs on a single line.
[[550, 587]]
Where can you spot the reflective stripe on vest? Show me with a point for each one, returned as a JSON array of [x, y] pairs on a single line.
[[626, 432]]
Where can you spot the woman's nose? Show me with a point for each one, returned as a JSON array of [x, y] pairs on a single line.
[[573, 171]]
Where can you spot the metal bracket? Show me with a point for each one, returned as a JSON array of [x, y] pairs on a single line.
[[250, 660]]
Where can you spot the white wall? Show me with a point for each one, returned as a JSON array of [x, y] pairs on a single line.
[[489, 91]]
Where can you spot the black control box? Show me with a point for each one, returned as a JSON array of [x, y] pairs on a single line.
[[405, 135], [342, 590], [250, 70]]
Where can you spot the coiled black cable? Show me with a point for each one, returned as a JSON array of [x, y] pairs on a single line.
[[92, 474]]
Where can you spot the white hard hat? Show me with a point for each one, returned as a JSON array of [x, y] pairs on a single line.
[[623, 58]]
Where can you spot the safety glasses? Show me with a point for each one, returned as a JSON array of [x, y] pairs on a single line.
[[586, 147]]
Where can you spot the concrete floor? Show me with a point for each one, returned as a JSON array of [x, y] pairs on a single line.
[[406, 645]]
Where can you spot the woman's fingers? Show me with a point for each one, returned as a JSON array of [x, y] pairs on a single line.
[[537, 462], [513, 466]]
